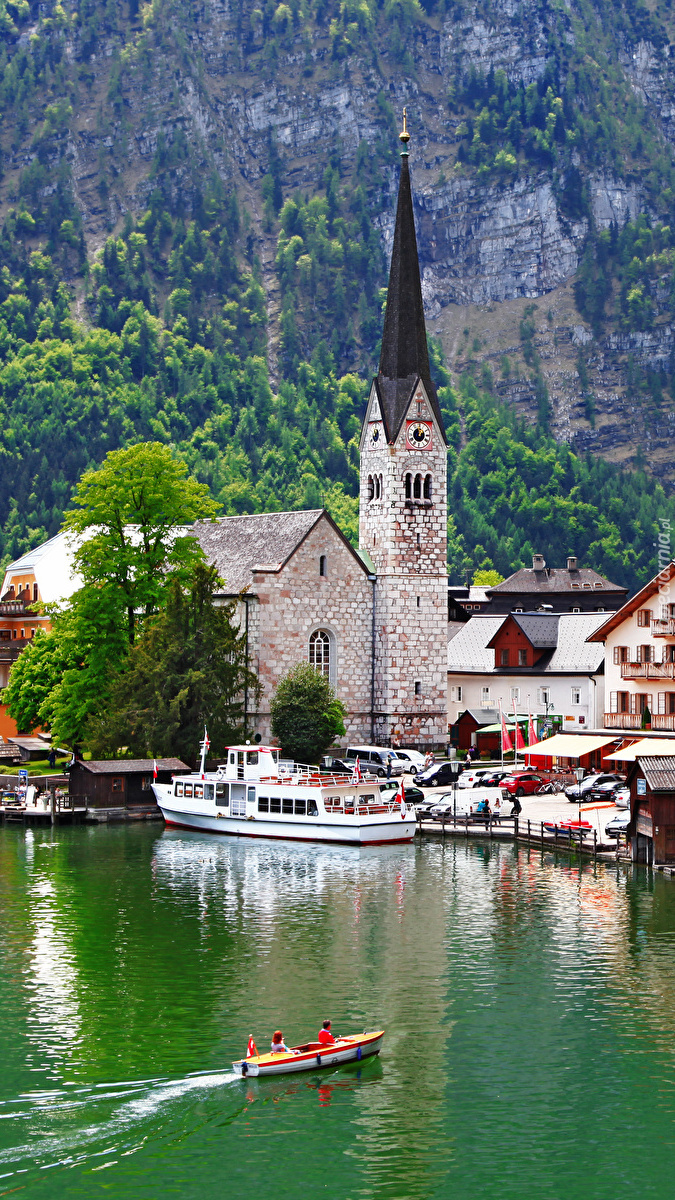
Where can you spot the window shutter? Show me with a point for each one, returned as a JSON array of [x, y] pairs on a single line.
[[617, 655], [661, 702], [613, 702], [649, 702]]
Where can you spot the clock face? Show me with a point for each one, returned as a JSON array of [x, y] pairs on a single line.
[[418, 435], [375, 435]]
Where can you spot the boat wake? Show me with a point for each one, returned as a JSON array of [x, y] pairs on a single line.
[[73, 1125]]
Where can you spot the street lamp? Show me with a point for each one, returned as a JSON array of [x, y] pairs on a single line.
[[579, 773]]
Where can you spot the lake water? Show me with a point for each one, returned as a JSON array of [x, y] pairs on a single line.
[[529, 1005]]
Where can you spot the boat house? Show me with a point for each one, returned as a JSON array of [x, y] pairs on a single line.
[[120, 788]]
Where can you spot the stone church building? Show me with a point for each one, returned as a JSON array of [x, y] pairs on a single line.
[[374, 620]]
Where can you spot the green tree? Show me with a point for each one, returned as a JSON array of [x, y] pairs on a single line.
[[186, 670], [129, 514], [306, 715], [486, 578]]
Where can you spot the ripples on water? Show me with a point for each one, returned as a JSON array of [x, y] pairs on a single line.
[[528, 1004]]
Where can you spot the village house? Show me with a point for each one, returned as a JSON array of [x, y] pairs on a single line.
[[556, 589], [639, 643], [538, 662]]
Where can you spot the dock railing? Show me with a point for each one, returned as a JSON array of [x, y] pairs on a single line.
[[543, 833]]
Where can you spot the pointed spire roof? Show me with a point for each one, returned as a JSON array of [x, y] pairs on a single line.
[[404, 358]]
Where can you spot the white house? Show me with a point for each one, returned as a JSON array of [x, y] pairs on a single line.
[[639, 643], [542, 662]]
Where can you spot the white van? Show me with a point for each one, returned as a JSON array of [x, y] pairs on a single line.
[[375, 760]]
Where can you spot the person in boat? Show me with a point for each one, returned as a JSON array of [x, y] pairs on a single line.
[[278, 1044], [325, 1036]]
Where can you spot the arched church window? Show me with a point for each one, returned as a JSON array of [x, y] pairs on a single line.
[[427, 487], [408, 486], [417, 488], [377, 487], [322, 653], [371, 488], [381, 479], [322, 565]]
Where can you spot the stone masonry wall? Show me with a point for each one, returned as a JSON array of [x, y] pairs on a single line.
[[294, 602]]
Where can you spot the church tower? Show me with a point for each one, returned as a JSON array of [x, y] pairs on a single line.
[[403, 507]]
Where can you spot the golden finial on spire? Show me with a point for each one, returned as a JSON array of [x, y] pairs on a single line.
[[404, 136]]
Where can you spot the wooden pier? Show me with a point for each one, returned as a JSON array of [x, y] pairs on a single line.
[[527, 831]]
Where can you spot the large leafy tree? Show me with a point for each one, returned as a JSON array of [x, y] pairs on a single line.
[[129, 514], [306, 715], [187, 669], [132, 544]]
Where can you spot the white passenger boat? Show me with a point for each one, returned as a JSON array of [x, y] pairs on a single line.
[[254, 794]]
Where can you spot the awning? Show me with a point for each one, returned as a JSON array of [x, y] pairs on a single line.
[[569, 745], [645, 747]]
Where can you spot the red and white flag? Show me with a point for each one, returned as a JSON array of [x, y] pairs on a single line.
[[358, 777], [531, 735], [401, 796], [251, 1049], [506, 740], [154, 768]]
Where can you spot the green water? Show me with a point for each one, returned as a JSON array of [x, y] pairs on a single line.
[[529, 1005]]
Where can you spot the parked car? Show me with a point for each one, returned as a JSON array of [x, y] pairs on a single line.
[[414, 761], [579, 791], [618, 825], [375, 759], [522, 783], [492, 779], [621, 796], [413, 795], [471, 776], [605, 790], [335, 766], [437, 774]]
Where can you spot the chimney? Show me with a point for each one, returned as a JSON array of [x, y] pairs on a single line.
[[572, 563], [538, 562]]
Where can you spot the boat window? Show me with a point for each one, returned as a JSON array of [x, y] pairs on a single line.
[[199, 791], [252, 757], [222, 795], [275, 755], [300, 808], [208, 791], [179, 789], [287, 805], [251, 795], [312, 810], [367, 799], [349, 801], [263, 804], [275, 804], [232, 759], [188, 789]]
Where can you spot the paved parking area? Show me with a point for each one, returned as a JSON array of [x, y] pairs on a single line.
[[554, 808]]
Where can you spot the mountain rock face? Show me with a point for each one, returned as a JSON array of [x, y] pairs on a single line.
[[543, 175]]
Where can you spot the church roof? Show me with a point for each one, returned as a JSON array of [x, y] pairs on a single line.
[[404, 358], [238, 546]]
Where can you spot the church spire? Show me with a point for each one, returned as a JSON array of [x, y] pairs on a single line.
[[404, 357]]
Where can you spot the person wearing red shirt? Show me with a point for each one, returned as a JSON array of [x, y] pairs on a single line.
[[325, 1036]]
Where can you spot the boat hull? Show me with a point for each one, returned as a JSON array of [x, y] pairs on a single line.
[[349, 1049], [360, 833]]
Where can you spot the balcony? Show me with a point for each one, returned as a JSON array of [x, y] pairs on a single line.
[[623, 720], [652, 670], [659, 721], [663, 627], [13, 608]]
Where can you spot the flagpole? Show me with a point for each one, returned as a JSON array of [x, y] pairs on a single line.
[[501, 730], [515, 735]]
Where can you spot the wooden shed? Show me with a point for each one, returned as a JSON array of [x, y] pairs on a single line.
[[115, 786], [652, 806]]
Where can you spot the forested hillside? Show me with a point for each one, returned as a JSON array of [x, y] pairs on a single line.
[[196, 208]]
